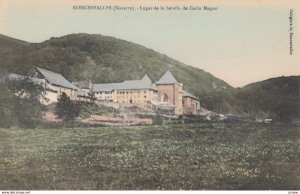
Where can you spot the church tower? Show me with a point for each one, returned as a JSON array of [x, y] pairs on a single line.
[[170, 92]]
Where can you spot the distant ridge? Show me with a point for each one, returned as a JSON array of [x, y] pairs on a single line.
[[9, 39]]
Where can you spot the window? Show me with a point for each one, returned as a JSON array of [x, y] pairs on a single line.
[[165, 98]]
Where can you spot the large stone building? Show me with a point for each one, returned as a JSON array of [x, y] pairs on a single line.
[[165, 95], [54, 84], [140, 93]]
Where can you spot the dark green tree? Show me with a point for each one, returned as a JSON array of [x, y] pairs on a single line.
[[20, 102], [6, 105], [66, 109]]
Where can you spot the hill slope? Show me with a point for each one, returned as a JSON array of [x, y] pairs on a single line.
[[277, 98], [106, 59], [102, 59]]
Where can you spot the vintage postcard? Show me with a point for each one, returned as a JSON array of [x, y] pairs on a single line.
[[149, 95]]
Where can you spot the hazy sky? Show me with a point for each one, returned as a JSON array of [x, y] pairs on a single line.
[[239, 43]]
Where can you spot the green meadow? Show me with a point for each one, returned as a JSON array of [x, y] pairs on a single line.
[[211, 156]]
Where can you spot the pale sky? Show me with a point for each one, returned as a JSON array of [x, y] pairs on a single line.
[[239, 43]]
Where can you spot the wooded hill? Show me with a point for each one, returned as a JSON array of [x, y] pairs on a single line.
[[106, 59]]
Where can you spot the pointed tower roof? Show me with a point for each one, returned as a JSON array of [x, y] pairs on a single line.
[[167, 78], [146, 79]]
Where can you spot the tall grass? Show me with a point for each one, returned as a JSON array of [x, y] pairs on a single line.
[[191, 156]]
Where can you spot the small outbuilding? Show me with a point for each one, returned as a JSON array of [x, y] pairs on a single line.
[[190, 103]]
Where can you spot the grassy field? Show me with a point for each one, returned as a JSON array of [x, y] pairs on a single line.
[[193, 156]]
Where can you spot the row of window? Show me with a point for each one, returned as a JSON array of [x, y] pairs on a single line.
[[130, 92], [123, 92], [104, 92], [131, 101], [129, 97]]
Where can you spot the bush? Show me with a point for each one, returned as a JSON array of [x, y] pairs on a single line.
[[66, 109]]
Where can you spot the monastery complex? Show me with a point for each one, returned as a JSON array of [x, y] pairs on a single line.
[[165, 95]]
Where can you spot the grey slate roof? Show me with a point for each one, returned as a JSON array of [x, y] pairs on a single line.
[[37, 81], [82, 93], [167, 78], [187, 94], [146, 79], [55, 78], [144, 83], [13, 77], [106, 87]]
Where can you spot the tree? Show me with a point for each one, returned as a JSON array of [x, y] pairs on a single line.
[[6, 96], [20, 102], [66, 109]]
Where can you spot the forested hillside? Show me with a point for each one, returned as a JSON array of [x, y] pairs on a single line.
[[103, 59], [277, 98]]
